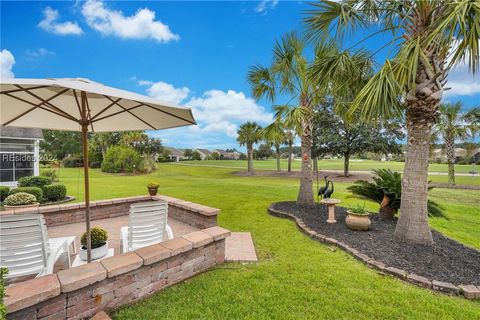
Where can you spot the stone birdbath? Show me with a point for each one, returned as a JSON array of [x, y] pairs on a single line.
[[331, 208]]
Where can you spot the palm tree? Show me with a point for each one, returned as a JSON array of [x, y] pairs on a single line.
[[451, 125], [289, 74], [249, 134], [429, 37], [274, 134]]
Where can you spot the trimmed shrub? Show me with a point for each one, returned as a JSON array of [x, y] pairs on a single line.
[[95, 164], [3, 309], [38, 182], [54, 192], [51, 174], [35, 191], [3, 192], [73, 162], [20, 199], [98, 235], [122, 159]]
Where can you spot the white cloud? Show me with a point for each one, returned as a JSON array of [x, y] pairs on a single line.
[[266, 5], [141, 25], [6, 63], [165, 92], [61, 28], [41, 52], [461, 81], [218, 114]]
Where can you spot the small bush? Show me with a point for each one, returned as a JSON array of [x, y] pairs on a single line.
[[3, 309], [35, 191], [73, 162], [20, 199], [95, 164], [3, 192], [54, 192], [122, 159], [51, 174], [98, 235], [36, 181]]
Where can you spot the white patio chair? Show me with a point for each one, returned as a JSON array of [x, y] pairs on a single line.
[[25, 248], [147, 225]]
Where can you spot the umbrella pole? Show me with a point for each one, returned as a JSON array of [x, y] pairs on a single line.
[[87, 190]]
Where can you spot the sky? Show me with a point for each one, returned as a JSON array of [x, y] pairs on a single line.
[[194, 54]]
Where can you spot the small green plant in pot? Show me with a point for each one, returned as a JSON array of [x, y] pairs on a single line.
[[99, 244], [358, 218], [153, 188]]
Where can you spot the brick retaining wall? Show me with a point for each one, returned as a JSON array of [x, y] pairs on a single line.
[[113, 282], [56, 215]]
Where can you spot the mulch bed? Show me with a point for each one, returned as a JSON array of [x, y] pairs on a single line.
[[447, 260]]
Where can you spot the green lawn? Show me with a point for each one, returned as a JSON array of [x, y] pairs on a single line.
[[330, 164], [296, 277]]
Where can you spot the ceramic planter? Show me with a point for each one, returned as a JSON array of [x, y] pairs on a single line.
[[358, 221], [33, 205], [97, 253], [152, 191]]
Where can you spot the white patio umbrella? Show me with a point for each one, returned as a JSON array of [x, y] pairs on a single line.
[[86, 106]]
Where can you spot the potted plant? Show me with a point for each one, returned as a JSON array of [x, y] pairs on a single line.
[[358, 218], [20, 200], [99, 244], [153, 188]]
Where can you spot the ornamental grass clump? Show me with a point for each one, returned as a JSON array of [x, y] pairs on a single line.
[[20, 199], [99, 237]]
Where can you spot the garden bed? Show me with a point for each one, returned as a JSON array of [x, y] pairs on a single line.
[[447, 260]]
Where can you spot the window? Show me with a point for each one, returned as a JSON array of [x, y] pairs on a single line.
[[17, 159]]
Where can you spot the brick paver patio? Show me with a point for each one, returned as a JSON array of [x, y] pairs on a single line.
[[112, 226]]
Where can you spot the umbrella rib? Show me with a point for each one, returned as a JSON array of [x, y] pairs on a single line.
[[35, 106], [118, 112], [105, 109], [170, 114], [78, 103], [88, 112], [48, 103], [128, 110], [17, 90]]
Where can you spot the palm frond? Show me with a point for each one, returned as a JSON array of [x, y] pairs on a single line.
[[262, 82]]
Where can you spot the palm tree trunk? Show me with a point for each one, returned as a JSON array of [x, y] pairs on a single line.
[[277, 149], [450, 150], [250, 158], [305, 194], [412, 225], [346, 164], [290, 155]]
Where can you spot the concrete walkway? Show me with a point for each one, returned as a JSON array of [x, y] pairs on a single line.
[[239, 247]]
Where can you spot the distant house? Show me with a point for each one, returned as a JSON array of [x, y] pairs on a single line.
[[224, 155], [175, 155], [460, 154], [476, 155], [19, 153], [204, 153], [439, 155], [236, 155]]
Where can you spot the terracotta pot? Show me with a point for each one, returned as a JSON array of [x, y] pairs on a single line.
[[358, 221], [152, 191], [97, 253], [33, 205]]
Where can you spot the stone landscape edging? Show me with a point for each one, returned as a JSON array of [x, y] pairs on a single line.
[[470, 291]]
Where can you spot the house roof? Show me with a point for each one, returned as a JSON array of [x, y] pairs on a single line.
[[204, 151], [17, 132], [175, 152]]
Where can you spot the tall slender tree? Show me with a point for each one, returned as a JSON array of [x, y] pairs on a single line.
[[249, 134], [289, 74], [451, 126], [428, 38], [275, 134]]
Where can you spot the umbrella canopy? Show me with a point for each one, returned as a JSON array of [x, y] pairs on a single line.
[[86, 106], [46, 103]]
